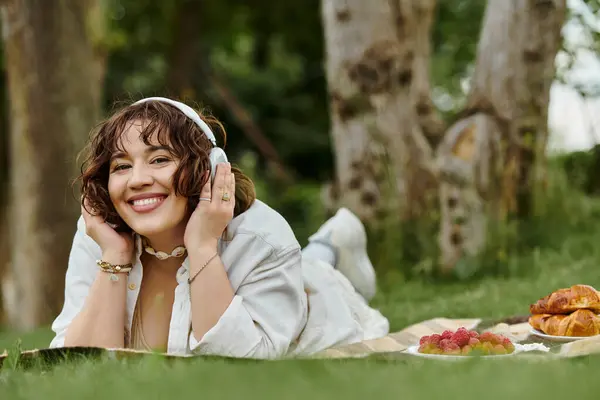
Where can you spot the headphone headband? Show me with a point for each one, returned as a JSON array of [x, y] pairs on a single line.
[[188, 111]]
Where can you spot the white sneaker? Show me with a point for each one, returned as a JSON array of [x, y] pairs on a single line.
[[346, 234]]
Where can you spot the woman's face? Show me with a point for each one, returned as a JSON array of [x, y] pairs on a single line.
[[140, 185]]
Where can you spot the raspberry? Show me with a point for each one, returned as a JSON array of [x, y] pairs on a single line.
[[424, 339], [452, 348], [473, 334], [473, 342], [461, 337], [499, 339], [444, 343], [435, 339], [447, 334]]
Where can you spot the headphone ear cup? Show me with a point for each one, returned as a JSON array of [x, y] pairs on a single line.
[[216, 157]]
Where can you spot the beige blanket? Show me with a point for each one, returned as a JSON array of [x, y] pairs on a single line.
[[393, 345]]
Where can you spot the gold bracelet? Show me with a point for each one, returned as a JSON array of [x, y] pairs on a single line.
[[114, 269], [190, 280]]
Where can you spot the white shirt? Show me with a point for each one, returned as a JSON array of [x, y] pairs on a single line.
[[271, 315]]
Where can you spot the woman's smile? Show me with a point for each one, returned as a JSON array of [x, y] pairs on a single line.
[[145, 203]]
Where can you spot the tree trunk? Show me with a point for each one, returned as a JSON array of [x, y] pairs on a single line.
[[493, 158], [4, 255], [428, 117], [183, 56], [373, 85], [55, 80]]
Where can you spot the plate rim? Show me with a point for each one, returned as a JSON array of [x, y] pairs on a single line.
[[413, 350], [540, 334]]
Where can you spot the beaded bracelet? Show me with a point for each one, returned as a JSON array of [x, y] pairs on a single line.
[[114, 269]]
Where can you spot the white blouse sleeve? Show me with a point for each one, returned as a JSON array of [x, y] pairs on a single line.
[[81, 272], [269, 309]]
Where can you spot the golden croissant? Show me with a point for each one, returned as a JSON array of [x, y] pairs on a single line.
[[579, 323], [565, 301]]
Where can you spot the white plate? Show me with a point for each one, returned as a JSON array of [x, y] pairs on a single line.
[[414, 350], [558, 338]]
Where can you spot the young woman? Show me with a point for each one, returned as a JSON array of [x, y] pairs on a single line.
[[173, 253]]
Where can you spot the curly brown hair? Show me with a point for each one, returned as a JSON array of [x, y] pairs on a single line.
[[171, 128]]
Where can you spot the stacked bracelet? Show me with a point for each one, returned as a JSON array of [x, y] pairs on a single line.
[[114, 269]]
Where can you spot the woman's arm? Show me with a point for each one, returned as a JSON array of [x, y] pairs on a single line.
[[94, 309], [101, 321], [267, 310], [211, 291], [266, 313]]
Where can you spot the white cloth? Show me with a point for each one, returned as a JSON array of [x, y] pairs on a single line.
[[270, 316]]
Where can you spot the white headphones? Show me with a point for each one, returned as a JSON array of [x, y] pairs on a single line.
[[217, 155]]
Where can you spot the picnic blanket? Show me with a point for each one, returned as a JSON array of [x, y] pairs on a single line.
[[517, 329], [391, 346]]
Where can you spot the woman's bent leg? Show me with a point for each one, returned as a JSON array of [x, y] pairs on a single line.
[[320, 252], [342, 243]]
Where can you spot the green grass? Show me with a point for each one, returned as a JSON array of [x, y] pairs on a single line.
[[574, 258]]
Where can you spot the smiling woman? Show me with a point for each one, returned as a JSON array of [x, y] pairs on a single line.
[[174, 253]]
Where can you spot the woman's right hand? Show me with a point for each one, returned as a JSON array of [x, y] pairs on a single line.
[[117, 247]]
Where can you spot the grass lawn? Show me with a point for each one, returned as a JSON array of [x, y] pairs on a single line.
[[574, 260]]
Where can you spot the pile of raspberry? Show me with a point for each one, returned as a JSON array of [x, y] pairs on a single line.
[[466, 342]]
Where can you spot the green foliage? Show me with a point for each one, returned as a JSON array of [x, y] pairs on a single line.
[[582, 18], [581, 169], [454, 42], [299, 203]]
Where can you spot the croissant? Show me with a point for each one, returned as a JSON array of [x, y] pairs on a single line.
[[565, 301], [579, 323]]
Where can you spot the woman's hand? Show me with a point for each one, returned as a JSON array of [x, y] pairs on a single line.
[[117, 247], [213, 213]]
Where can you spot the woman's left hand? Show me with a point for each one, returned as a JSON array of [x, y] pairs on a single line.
[[214, 211]]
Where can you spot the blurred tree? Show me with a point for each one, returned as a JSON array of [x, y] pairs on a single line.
[[382, 115], [55, 65], [4, 149], [489, 161], [493, 157]]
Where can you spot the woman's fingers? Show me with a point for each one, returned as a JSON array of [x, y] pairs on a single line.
[[221, 191], [232, 191], [88, 217], [227, 182], [221, 187], [205, 193]]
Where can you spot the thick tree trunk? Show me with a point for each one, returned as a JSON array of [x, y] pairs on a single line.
[[492, 158], [55, 81], [371, 60]]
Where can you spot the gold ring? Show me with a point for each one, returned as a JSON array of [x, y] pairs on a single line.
[[225, 197]]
